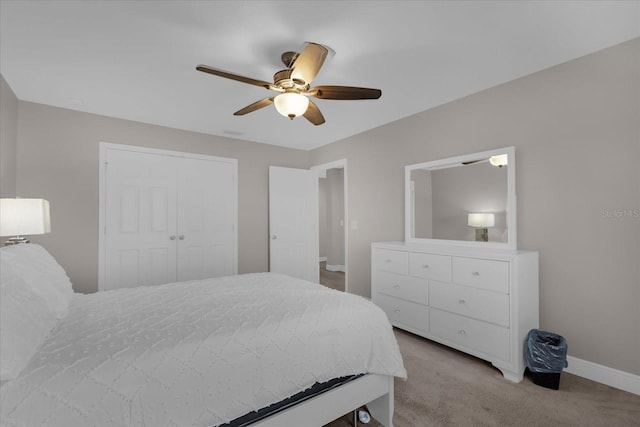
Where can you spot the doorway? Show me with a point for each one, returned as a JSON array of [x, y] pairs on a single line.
[[332, 229]]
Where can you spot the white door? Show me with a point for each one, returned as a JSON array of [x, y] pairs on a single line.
[[165, 217], [140, 221], [293, 222], [206, 219]]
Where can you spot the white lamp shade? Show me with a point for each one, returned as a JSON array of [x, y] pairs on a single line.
[[481, 220], [291, 104], [24, 217]]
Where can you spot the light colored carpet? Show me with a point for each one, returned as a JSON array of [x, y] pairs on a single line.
[[450, 388], [331, 279]]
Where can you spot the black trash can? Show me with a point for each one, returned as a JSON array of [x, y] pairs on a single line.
[[546, 357]]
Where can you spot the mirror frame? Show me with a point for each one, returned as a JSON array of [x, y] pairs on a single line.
[[511, 214]]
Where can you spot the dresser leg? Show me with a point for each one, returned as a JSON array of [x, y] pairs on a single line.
[[516, 377]]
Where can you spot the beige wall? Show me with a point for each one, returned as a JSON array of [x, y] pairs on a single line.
[[422, 204], [322, 218], [335, 214], [8, 139], [331, 204], [577, 137], [58, 160]]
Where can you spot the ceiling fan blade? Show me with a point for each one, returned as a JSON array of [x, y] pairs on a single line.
[[253, 107], [344, 92], [309, 62], [313, 114], [470, 162], [227, 75]]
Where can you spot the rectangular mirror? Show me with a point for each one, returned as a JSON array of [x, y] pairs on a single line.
[[468, 200]]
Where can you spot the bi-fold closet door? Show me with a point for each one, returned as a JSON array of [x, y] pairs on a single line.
[[166, 217]]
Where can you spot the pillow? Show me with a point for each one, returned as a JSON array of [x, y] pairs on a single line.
[[40, 271], [34, 294]]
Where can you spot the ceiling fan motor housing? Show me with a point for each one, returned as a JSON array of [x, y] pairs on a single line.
[[288, 58], [283, 80]]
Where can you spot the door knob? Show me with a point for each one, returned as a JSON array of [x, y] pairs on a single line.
[[181, 237], [172, 237], [274, 237]]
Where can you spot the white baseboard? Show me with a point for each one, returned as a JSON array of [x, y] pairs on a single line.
[[604, 374], [323, 259], [335, 268]]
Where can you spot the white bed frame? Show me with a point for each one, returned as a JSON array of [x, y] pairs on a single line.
[[375, 391]]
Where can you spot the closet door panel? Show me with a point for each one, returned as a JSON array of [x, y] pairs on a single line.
[[140, 195], [206, 219]]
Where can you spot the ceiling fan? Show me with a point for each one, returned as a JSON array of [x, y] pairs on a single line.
[[499, 160], [294, 85]]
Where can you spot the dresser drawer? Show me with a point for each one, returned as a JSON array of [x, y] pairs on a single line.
[[392, 261], [471, 302], [472, 334], [429, 266], [405, 287], [403, 313], [481, 273]]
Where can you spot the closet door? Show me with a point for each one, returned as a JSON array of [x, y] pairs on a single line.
[[140, 219], [206, 218], [165, 216]]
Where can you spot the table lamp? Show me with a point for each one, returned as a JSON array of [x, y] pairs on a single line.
[[20, 217]]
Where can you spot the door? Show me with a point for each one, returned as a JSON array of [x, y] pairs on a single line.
[[206, 219], [165, 217], [140, 222], [293, 222]]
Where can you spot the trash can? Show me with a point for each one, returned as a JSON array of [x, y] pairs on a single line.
[[546, 356]]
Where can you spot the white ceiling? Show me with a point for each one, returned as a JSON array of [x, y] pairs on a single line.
[[136, 59]]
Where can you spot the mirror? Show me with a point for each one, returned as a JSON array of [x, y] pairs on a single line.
[[466, 200]]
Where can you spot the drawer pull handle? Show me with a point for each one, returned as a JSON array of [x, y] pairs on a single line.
[[426, 266], [461, 301], [476, 273], [388, 261], [462, 332], [396, 311], [396, 286]]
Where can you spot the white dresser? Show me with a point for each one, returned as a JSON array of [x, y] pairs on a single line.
[[480, 301]]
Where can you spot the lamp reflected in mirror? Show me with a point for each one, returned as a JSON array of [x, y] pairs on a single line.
[[481, 222]]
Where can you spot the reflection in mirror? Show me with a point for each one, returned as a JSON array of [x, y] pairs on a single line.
[[461, 199]]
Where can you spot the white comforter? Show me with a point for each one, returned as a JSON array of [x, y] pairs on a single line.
[[196, 353]]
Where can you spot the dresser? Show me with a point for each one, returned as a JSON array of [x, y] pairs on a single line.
[[479, 301]]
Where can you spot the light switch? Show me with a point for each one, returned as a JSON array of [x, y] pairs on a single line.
[[354, 224]]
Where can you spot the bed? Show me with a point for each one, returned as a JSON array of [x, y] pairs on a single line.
[[203, 353]]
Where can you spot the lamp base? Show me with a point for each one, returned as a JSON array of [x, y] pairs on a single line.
[[16, 240], [482, 235]]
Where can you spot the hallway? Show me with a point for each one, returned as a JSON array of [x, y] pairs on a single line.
[[331, 279]]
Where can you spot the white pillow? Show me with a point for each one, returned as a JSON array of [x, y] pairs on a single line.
[[39, 270], [34, 294]]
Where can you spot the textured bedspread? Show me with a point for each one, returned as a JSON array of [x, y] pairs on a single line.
[[196, 353]]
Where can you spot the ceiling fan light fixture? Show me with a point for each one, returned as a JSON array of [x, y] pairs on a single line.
[[291, 104], [499, 160]]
